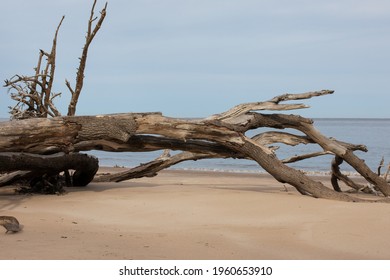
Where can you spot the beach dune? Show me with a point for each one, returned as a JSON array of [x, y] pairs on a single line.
[[193, 215]]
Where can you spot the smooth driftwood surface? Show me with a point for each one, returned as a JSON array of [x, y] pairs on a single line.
[[221, 135]]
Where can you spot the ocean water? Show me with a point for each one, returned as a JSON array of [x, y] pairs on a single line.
[[374, 133]]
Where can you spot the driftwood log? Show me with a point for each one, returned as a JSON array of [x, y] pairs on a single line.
[[222, 135]]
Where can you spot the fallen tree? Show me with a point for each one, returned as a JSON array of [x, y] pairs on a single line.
[[221, 135], [38, 143]]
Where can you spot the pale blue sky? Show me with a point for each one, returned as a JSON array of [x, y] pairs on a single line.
[[194, 58]]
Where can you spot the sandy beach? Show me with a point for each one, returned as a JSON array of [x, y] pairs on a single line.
[[192, 215]]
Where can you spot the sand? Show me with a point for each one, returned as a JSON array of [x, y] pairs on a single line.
[[193, 215]]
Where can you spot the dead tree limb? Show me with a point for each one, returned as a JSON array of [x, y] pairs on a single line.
[[33, 94], [381, 164], [337, 175], [305, 156], [151, 168], [91, 33], [271, 137], [14, 177], [387, 173], [270, 105]]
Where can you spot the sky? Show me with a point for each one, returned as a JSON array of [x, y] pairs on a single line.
[[195, 58]]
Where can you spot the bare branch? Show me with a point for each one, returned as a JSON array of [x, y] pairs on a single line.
[[52, 64], [69, 87], [271, 137], [387, 173], [305, 156], [381, 164], [337, 175], [272, 105], [151, 168], [83, 59], [39, 102], [307, 95]]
